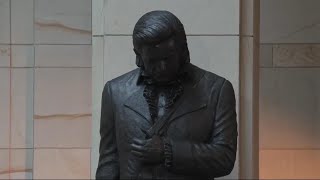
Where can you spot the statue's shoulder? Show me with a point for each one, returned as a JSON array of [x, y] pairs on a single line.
[[207, 76], [213, 76], [124, 79], [218, 82]]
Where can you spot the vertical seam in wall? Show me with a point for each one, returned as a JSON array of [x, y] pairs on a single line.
[[34, 81], [91, 93], [256, 54], [239, 101], [272, 63], [240, 86], [103, 44], [10, 92]]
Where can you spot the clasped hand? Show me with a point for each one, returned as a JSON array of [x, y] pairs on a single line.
[[148, 150]]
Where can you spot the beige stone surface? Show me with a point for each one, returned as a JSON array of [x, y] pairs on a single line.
[[289, 164], [289, 108], [296, 55], [198, 17], [62, 115], [62, 164], [22, 108]]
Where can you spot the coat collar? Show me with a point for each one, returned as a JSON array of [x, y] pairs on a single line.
[[137, 103]]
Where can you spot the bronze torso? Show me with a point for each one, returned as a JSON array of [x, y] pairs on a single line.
[[203, 129]]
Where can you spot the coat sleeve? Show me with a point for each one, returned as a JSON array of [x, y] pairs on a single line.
[[108, 166], [215, 158]]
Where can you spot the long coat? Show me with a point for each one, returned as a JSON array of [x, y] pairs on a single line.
[[202, 130]]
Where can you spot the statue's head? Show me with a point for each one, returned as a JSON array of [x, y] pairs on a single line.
[[160, 45]]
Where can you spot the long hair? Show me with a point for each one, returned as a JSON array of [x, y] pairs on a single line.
[[156, 26]]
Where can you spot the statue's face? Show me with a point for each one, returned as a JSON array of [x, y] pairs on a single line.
[[161, 61]]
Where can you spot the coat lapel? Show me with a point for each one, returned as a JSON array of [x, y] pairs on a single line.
[[193, 98], [192, 102], [137, 103]]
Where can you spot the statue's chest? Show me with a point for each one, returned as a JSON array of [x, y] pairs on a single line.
[[188, 119], [161, 107], [161, 100], [193, 126]]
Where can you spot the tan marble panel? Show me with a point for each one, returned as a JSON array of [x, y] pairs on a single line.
[[22, 16], [62, 164], [22, 108], [296, 55], [5, 54], [198, 17], [21, 164], [63, 21], [4, 107], [290, 21], [62, 107], [63, 55], [266, 55], [4, 165], [289, 164], [5, 21], [65, 131], [289, 108], [22, 55]]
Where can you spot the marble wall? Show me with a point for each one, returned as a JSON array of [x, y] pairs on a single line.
[[213, 39], [45, 99], [289, 89]]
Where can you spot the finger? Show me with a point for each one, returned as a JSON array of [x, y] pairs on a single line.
[[138, 141], [137, 154], [136, 147], [148, 142]]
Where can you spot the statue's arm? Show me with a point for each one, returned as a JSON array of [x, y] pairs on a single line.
[[108, 166], [217, 157]]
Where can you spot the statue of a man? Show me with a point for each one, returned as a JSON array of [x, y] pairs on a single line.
[[167, 118]]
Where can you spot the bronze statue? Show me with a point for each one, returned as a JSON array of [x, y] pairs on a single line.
[[167, 118]]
